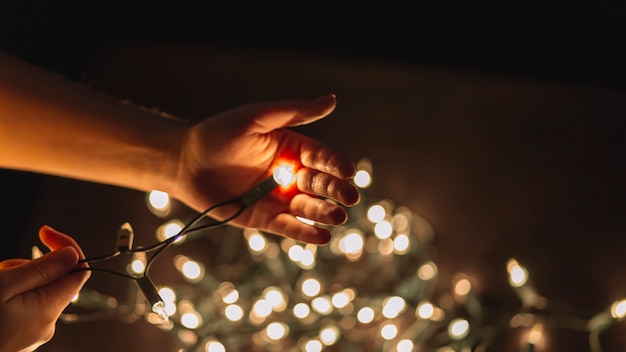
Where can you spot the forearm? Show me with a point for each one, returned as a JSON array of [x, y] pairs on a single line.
[[54, 126]]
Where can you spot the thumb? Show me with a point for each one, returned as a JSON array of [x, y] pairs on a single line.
[[36, 273], [289, 113]]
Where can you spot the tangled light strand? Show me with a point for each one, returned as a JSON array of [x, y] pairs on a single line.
[[374, 287]]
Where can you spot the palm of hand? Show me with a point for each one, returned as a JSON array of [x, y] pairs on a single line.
[[224, 156]]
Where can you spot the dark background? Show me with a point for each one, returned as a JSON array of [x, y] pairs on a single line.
[[503, 124]]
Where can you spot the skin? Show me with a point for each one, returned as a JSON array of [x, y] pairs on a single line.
[[33, 293], [53, 126]]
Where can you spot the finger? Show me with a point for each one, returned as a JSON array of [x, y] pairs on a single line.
[[317, 155], [36, 273], [322, 184], [12, 262], [317, 210], [53, 298], [270, 116], [54, 239], [287, 225]]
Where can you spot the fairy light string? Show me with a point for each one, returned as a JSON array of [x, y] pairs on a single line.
[[375, 287]]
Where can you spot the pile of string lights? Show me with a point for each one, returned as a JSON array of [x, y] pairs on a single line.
[[374, 287]]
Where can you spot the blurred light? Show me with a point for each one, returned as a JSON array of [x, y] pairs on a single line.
[[228, 292], [313, 346], [167, 294], [518, 275], [158, 203], [170, 229], [191, 320], [214, 346], [427, 271], [385, 246], [311, 287], [340, 300], [618, 309], [35, 252], [170, 308], [405, 346], [256, 242], [393, 306], [295, 253], [365, 315], [233, 312], [401, 244], [276, 330], [329, 335], [458, 328], [536, 334], [376, 213], [301, 310], [352, 243], [275, 298], [425, 310], [389, 331], [462, 287], [362, 179], [383, 229], [262, 308], [138, 266], [191, 270], [322, 305], [307, 260]]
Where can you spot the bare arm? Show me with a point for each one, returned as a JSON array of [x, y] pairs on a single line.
[[51, 125], [54, 126]]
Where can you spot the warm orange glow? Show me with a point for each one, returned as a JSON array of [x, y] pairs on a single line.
[[285, 174]]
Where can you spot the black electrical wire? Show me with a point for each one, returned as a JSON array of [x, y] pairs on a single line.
[[161, 246]]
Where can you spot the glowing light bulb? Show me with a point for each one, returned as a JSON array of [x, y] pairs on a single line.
[[365, 315], [383, 229], [393, 306], [362, 179], [405, 346], [276, 330], [159, 309], [618, 309], [322, 305], [214, 346], [301, 310], [458, 328], [388, 331], [192, 270], [329, 335], [313, 346], [285, 175], [158, 202], [401, 244], [425, 310], [311, 287], [191, 320], [462, 287], [376, 213], [352, 243], [518, 275], [167, 294], [233, 312], [340, 299], [427, 271]]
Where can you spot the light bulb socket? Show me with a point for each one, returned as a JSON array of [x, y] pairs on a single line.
[[125, 237], [149, 290], [259, 191]]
